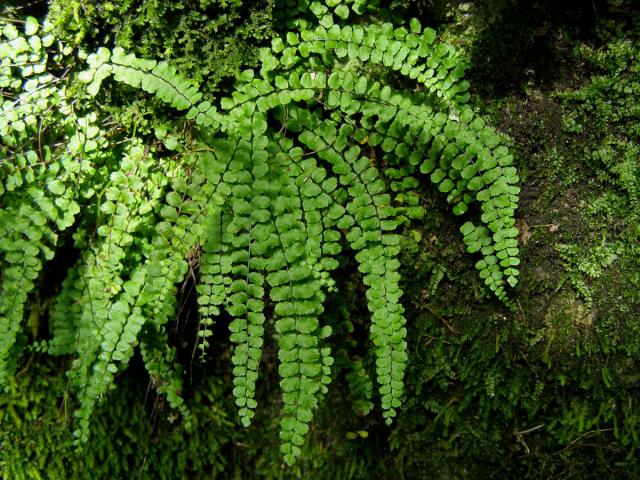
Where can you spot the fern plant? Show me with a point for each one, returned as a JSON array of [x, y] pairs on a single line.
[[308, 155]]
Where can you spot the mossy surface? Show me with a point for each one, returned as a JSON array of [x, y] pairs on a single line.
[[134, 434]]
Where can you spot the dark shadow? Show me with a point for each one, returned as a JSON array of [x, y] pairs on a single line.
[[524, 41], [22, 8]]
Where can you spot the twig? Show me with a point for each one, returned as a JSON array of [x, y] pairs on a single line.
[[581, 436], [520, 437]]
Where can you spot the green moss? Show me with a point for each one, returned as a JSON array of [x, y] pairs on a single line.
[[207, 40], [132, 436]]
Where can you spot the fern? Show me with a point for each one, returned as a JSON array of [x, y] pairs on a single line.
[[39, 189], [278, 180]]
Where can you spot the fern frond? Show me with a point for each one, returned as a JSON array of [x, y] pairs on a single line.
[[157, 78], [159, 360], [63, 321], [298, 303], [28, 234]]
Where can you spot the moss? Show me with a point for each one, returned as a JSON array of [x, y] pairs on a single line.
[[209, 41], [131, 435]]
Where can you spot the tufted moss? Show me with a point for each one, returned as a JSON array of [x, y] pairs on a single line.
[[207, 40], [132, 437]]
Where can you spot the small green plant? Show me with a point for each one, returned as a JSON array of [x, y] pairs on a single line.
[[606, 109], [579, 264], [309, 155]]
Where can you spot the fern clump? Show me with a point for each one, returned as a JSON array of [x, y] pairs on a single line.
[[40, 188], [279, 178]]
